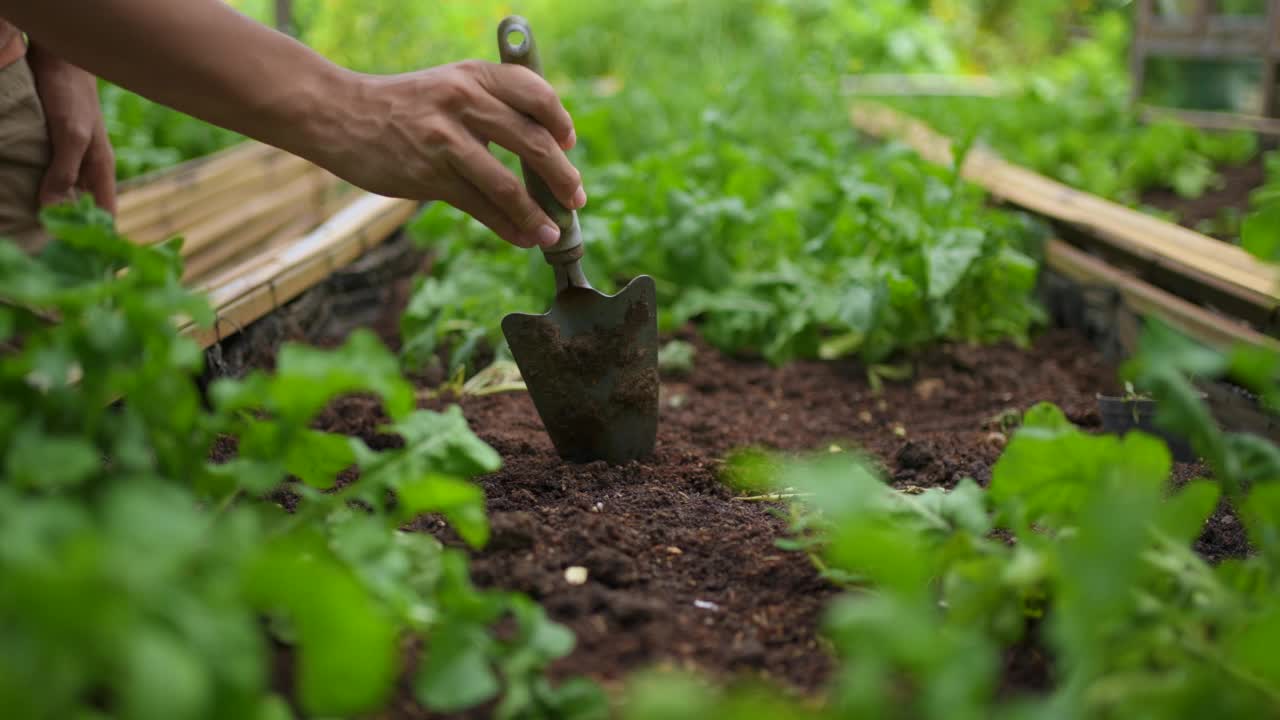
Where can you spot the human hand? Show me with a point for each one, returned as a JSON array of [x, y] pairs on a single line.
[[82, 157], [425, 136]]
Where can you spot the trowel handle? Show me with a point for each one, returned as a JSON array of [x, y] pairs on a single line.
[[517, 47]]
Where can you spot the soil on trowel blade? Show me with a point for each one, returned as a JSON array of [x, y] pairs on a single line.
[[682, 573], [593, 385]]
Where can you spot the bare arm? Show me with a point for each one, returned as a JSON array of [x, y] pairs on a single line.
[[421, 135]]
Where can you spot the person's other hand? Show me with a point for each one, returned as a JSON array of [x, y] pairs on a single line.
[[425, 135], [82, 158]]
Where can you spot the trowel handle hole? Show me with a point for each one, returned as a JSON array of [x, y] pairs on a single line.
[[516, 39]]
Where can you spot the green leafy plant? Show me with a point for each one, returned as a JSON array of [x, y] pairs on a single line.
[[746, 194], [1077, 557], [1070, 116], [138, 572]]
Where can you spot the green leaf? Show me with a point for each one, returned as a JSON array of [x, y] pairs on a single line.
[[164, 680], [1261, 516], [50, 462], [458, 500], [577, 699], [1183, 516], [1252, 647], [964, 507], [439, 450], [317, 457], [273, 707], [656, 695], [951, 257], [348, 650], [456, 674], [1050, 469], [1260, 233], [308, 378]]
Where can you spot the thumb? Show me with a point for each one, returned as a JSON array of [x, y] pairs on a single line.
[[60, 178]]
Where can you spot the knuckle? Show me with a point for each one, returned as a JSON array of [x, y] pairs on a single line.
[[472, 68], [509, 190], [548, 102], [69, 131], [542, 149], [437, 133], [457, 92], [529, 216]]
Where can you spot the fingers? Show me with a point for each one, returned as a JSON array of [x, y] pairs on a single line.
[[526, 92], [504, 191], [64, 169], [470, 200], [535, 145], [98, 171]]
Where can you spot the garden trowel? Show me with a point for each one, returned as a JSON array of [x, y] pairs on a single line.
[[591, 362]]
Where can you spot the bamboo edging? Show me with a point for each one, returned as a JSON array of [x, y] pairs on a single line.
[[1146, 299], [143, 198], [203, 203], [1226, 271], [213, 243], [300, 265], [260, 227]]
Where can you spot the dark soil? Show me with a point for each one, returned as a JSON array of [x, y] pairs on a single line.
[[679, 572], [1230, 197], [682, 573]]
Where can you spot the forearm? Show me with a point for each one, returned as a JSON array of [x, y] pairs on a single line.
[[200, 57], [423, 135]]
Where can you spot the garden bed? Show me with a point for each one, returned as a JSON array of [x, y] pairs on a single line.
[[683, 573], [1207, 212]]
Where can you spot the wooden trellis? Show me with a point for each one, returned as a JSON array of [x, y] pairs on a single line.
[[1204, 33]]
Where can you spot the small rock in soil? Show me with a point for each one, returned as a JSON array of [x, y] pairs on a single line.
[[914, 455]]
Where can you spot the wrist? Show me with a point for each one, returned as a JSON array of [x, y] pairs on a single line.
[[317, 110], [341, 117]]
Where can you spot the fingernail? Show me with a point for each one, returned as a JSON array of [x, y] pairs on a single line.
[[548, 235], [579, 199], [573, 139]]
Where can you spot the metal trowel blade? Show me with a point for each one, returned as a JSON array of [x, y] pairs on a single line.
[[591, 366]]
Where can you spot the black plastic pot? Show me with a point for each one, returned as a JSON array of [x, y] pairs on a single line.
[[1121, 414]]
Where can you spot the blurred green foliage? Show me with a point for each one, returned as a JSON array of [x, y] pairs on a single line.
[[1070, 117], [719, 159], [137, 573]]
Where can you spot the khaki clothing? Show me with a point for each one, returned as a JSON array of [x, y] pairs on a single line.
[[24, 156]]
